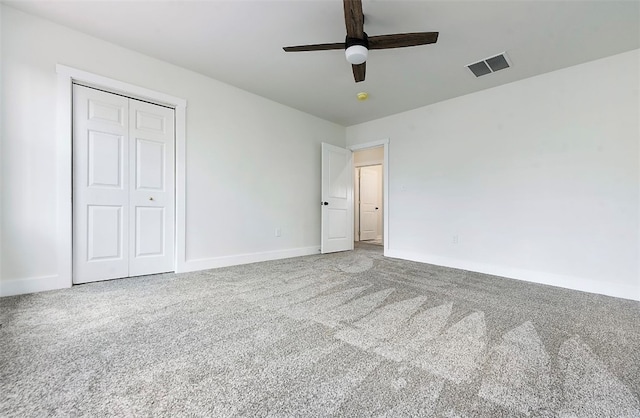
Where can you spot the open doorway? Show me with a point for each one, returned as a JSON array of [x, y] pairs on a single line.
[[338, 193], [369, 195]]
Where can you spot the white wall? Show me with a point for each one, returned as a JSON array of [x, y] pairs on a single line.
[[538, 179], [252, 165]]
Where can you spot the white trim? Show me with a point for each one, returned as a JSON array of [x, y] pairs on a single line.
[[64, 164], [1, 113], [66, 77], [234, 260], [356, 203], [30, 285], [181, 188], [367, 145], [557, 280], [385, 182], [116, 86]]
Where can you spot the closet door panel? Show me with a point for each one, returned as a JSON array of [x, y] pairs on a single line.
[[100, 185], [151, 133]]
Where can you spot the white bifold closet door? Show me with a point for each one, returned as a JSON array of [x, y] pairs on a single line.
[[123, 186]]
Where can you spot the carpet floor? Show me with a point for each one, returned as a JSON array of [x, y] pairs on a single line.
[[349, 334]]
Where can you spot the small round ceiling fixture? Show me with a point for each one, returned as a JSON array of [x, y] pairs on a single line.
[[356, 50], [362, 96], [356, 54]]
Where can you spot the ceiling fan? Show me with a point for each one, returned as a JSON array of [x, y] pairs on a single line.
[[358, 44]]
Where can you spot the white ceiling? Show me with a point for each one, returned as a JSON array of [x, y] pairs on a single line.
[[240, 43]]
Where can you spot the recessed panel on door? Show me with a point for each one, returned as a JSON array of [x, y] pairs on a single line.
[[338, 166], [150, 156], [338, 223], [105, 230], [104, 159], [150, 231], [151, 122], [369, 221], [100, 111]]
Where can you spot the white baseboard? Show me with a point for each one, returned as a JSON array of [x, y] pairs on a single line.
[[40, 284], [31, 285], [234, 260], [568, 282]]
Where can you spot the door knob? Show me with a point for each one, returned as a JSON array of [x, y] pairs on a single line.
[[376, 208], [324, 203], [151, 198]]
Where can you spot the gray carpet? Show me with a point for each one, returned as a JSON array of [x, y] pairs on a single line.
[[377, 241], [349, 334]]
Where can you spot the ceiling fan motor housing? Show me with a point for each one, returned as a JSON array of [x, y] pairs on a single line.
[[356, 50]]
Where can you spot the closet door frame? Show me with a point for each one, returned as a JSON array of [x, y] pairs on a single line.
[[66, 76]]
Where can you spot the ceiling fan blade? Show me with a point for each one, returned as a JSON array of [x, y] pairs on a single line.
[[401, 40], [354, 19], [315, 47], [359, 71]]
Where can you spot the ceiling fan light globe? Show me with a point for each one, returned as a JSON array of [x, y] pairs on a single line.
[[356, 54]]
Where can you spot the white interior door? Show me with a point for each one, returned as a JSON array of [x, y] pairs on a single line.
[[337, 199], [100, 185], [151, 185], [370, 207], [122, 186]]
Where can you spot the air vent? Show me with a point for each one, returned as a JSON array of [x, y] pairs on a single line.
[[489, 65], [479, 68]]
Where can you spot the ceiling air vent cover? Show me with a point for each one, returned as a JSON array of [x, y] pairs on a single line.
[[490, 65]]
